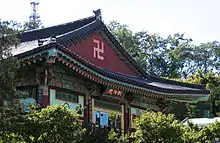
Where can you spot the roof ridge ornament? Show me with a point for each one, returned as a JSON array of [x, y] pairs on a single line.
[[98, 14], [41, 41], [53, 39]]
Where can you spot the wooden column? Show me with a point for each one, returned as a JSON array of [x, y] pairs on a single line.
[[43, 91], [128, 97], [122, 117], [43, 95], [126, 118], [87, 109], [1, 99], [129, 116], [93, 110]]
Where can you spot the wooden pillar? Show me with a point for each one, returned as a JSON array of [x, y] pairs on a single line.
[[129, 116], [87, 109], [122, 117], [43, 91], [1, 99], [43, 95], [126, 118], [129, 97], [90, 111], [93, 110]]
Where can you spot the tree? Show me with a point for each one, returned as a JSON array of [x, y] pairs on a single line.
[[212, 83], [114, 137], [158, 128], [192, 110], [33, 24], [8, 64], [157, 55], [174, 56], [203, 57], [52, 124], [161, 128], [13, 124], [57, 124]]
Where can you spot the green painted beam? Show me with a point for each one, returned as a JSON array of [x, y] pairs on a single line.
[[195, 97]]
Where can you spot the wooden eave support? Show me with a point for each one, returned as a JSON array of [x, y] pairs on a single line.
[[78, 69]]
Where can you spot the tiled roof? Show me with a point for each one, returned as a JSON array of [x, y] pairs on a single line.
[[54, 30], [26, 46], [70, 33], [73, 32], [148, 83], [94, 27], [29, 39]]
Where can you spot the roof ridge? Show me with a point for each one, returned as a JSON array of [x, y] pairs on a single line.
[[81, 19], [61, 37], [54, 30], [125, 53], [173, 82]]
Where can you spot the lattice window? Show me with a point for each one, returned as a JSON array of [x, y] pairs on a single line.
[[72, 97]]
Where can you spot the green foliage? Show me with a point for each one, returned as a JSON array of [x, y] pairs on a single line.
[[192, 110], [114, 137], [158, 128], [8, 65], [12, 123], [212, 83], [113, 116], [207, 134], [52, 124], [29, 25], [173, 56], [59, 124], [155, 127]]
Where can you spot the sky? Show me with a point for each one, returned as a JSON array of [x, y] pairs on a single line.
[[198, 19]]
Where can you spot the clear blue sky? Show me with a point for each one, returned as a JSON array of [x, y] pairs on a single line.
[[199, 19]]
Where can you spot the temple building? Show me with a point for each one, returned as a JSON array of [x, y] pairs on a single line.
[[81, 64]]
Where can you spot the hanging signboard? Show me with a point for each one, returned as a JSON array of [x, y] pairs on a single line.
[[114, 93]]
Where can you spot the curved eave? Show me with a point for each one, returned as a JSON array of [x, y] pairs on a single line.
[[67, 58], [69, 55], [98, 26], [78, 65], [84, 28], [93, 75]]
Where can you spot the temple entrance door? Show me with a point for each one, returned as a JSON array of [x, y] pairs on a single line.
[[104, 119], [101, 118], [101, 113]]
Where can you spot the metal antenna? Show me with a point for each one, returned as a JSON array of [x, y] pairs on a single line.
[[34, 16]]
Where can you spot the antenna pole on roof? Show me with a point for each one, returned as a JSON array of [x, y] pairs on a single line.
[[34, 16]]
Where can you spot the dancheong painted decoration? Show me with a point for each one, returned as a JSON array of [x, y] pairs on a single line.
[[82, 65]]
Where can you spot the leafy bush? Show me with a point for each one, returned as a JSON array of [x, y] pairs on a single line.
[[160, 128], [52, 124], [59, 124], [155, 127]]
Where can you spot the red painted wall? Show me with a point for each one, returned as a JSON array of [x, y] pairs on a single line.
[[107, 58]]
